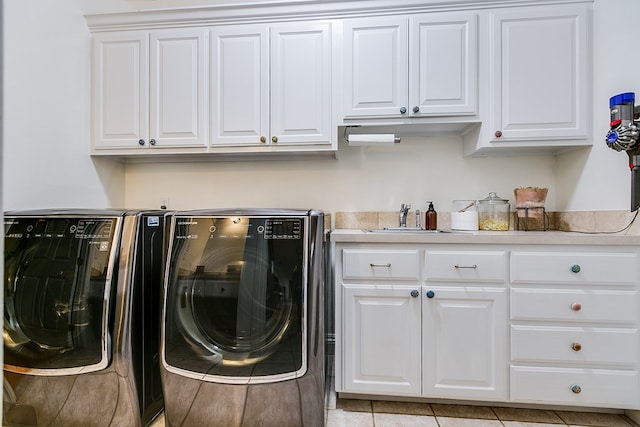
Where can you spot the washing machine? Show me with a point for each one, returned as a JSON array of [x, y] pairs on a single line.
[[82, 304], [242, 331]]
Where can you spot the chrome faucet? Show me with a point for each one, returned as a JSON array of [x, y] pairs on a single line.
[[404, 211]]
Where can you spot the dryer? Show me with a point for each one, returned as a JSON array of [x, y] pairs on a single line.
[[242, 331], [82, 309]]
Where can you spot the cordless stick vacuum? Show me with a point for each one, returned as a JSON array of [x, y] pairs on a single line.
[[624, 135]]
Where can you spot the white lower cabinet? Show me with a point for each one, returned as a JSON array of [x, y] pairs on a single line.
[[464, 342], [381, 339], [398, 335], [575, 386], [524, 324], [574, 328]]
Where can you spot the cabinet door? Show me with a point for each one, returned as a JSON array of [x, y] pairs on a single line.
[[301, 84], [179, 88], [381, 340], [240, 85], [120, 85], [376, 67], [443, 64], [464, 342], [541, 74]]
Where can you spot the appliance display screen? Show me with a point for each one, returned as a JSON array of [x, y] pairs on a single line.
[[282, 229]]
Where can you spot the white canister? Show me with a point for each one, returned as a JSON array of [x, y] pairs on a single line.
[[464, 215]]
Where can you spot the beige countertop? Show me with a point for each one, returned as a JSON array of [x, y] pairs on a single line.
[[484, 237]]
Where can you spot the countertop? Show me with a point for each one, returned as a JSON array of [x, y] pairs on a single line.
[[484, 237]]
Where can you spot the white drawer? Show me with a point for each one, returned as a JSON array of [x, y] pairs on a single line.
[[574, 305], [574, 345], [465, 266], [382, 264], [599, 388], [578, 267]]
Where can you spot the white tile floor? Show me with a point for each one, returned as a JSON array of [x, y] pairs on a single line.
[[364, 413], [367, 413]]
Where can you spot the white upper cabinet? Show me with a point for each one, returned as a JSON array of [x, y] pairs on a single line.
[[443, 64], [301, 83], [376, 66], [513, 77], [418, 66], [120, 87], [540, 74], [240, 84], [272, 84], [540, 82], [178, 88], [149, 89]]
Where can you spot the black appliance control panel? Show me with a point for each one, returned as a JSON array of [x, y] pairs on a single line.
[[282, 228]]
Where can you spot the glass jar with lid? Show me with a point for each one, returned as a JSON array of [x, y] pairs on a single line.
[[493, 213]]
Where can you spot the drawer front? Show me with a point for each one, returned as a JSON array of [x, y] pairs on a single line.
[[472, 266], [574, 305], [574, 345], [578, 267], [600, 388], [383, 264]]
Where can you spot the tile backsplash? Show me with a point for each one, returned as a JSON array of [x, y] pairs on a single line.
[[581, 221]]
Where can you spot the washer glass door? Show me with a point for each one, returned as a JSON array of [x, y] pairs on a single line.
[[234, 306], [57, 275]]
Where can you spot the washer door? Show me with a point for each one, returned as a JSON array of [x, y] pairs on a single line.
[[57, 275], [235, 300]]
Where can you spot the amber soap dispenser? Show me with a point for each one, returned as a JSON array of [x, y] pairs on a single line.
[[431, 218]]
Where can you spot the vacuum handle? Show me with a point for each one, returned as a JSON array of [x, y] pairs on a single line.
[[634, 164]]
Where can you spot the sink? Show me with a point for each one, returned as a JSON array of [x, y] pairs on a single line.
[[408, 230]]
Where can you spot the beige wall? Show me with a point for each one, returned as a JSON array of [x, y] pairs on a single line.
[[361, 179]]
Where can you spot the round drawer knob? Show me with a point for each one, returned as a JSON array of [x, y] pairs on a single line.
[[263, 139], [431, 294], [576, 346], [416, 109], [141, 141], [575, 268], [274, 139], [415, 293], [498, 133], [576, 306], [403, 110], [152, 141], [576, 388]]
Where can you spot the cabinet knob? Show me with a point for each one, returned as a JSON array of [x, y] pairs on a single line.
[[576, 306], [152, 141], [576, 388], [141, 142], [430, 294], [498, 133], [274, 139], [576, 346], [416, 109], [415, 293], [263, 139], [575, 268], [403, 110]]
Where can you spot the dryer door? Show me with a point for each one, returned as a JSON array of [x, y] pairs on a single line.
[[57, 281], [235, 299]]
